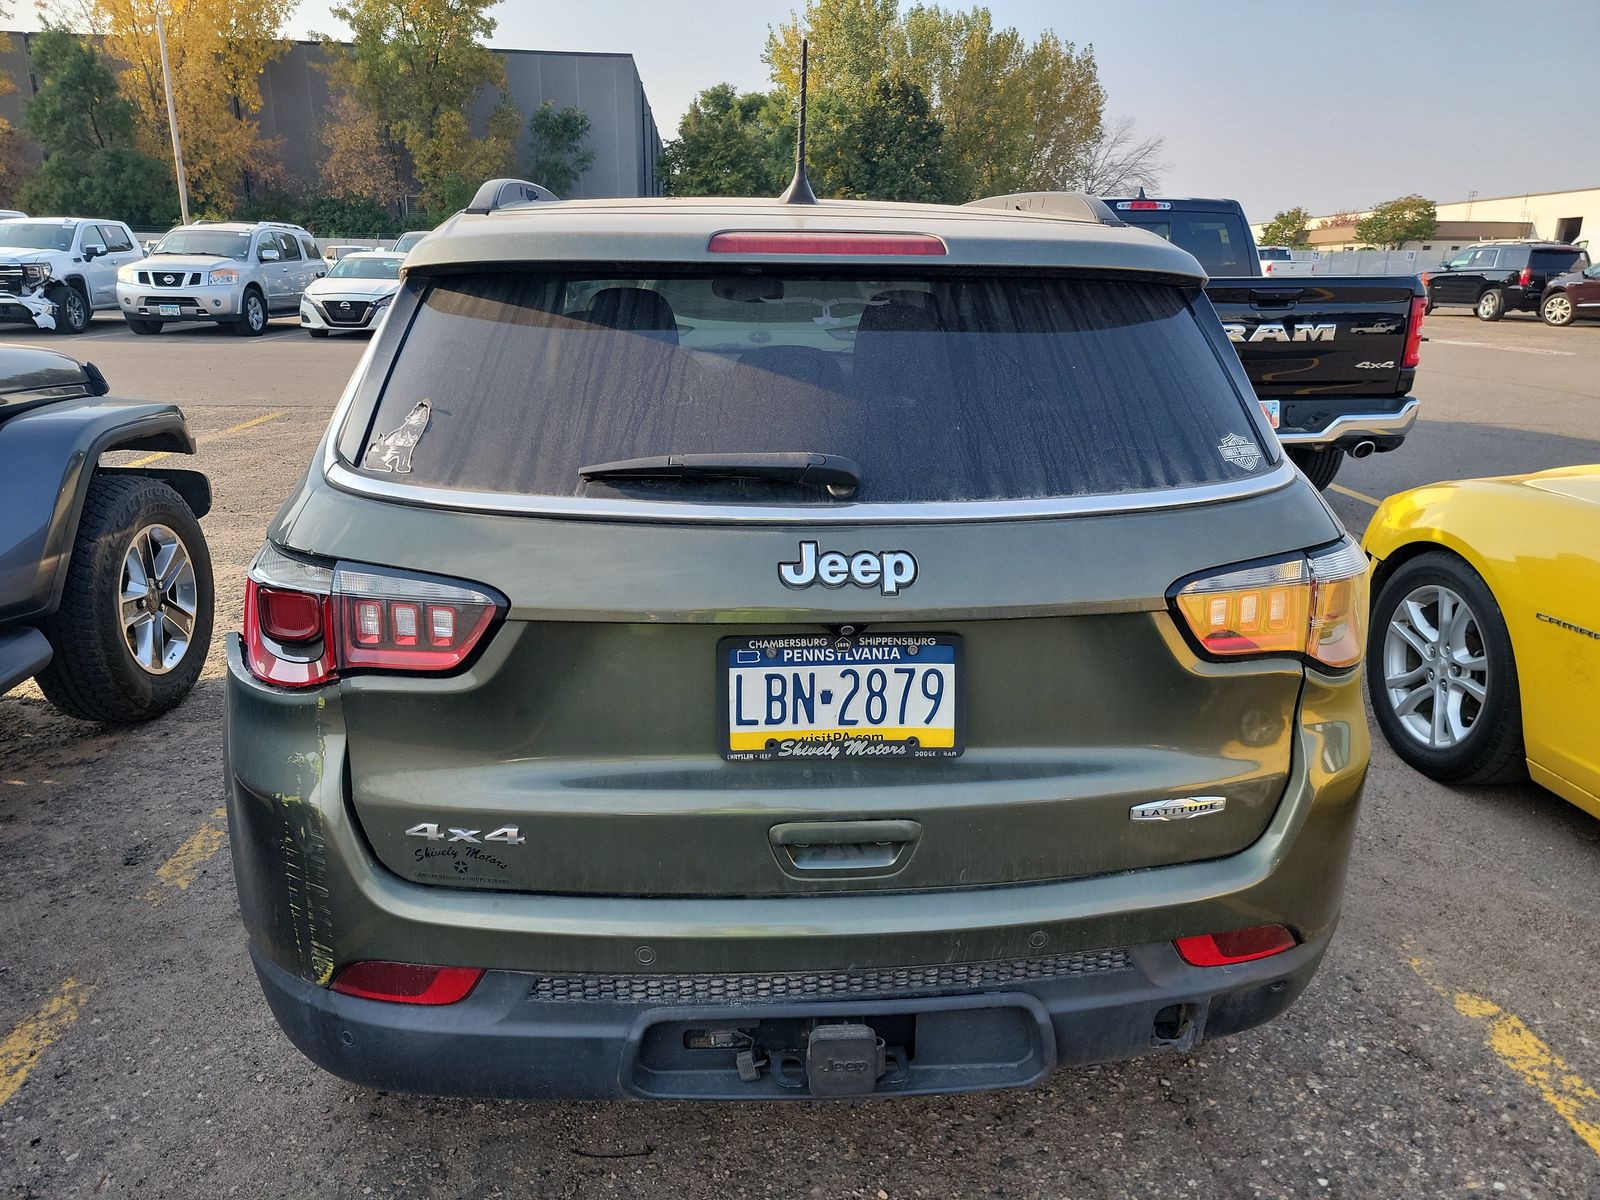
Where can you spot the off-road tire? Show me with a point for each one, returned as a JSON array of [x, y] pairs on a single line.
[[72, 308], [1564, 310], [143, 327], [253, 317], [94, 675], [1320, 464], [1492, 750], [1491, 305]]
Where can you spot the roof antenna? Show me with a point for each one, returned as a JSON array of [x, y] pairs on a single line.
[[799, 190]]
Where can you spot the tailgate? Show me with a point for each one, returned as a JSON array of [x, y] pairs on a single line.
[[1327, 336]]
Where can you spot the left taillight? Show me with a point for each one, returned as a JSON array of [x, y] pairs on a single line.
[[305, 623], [1313, 606], [1413, 350], [407, 983], [1525, 277]]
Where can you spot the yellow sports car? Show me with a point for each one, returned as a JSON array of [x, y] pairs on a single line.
[[1483, 655]]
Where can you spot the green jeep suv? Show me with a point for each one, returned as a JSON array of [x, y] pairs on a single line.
[[743, 649]]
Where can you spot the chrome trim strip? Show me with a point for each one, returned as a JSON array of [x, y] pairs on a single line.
[[1371, 424], [344, 478]]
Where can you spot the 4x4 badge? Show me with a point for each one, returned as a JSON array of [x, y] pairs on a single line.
[[887, 570]]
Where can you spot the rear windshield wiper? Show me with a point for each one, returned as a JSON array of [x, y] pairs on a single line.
[[840, 475]]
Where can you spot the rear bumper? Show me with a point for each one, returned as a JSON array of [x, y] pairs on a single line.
[[507, 1039], [1345, 424]]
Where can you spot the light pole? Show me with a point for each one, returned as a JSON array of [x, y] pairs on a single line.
[[172, 120]]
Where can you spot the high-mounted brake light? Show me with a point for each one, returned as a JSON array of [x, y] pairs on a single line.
[[1144, 205], [1236, 946], [758, 242], [305, 622], [407, 983], [1313, 607], [1413, 350]]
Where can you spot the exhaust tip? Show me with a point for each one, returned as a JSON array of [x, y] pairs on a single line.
[[1362, 449]]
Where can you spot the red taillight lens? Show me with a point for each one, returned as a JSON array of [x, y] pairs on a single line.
[[1240, 945], [1315, 607], [755, 242], [407, 983], [1144, 205], [1266, 268], [304, 623], [1525, 277], [1413, 351]]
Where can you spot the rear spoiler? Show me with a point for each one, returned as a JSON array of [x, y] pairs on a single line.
[[1074, 206]]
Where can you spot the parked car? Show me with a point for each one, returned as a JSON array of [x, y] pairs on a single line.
[[235, 274], [629, 708], [9, 214], [352, 296], [409, 239], [55, 272], [1571, 296], [1502, 277], [1485, 642], [1333, 365], [332, 254], [1281, 260], [105, 579]]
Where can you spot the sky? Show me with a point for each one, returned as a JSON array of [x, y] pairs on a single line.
[[1326, 105]]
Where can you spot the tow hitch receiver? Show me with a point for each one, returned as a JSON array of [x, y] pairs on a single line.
[[844, 1060]]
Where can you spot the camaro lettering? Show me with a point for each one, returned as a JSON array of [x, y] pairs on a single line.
[[1273, 331], [1567, 625], [889, 571]]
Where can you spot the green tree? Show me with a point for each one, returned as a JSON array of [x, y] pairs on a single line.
[[1394, 223], [730, 144], [86, 131], [1287, 228], [559, 158], [888, 146], [419, 66]]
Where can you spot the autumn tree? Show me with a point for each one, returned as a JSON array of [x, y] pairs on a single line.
[[85, 129], [12, 159], [559, 157], [730, 144], [359, 162], [419, 66], [1287, 228], [1117, 162], [887, 145], [1394, 223], [217, 50]]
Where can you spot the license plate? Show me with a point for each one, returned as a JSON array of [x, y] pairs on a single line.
[[874, 696], [1270, 407], [169, 310]]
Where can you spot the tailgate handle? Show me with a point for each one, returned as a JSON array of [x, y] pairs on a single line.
[[1275, 297], [844, 845]]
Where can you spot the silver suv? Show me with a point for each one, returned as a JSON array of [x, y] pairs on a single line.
[[238, 274]]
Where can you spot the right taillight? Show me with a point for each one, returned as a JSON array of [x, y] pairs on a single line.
[[306, 622], [1413, 350], [1312, 606]]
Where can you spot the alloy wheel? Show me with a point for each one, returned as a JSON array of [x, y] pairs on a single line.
[[1435, 667], [160, 599], [1558, 310], [1488, 304]]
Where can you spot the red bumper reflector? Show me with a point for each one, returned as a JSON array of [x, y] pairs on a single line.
[[1240, 945], [755, 242], [407, 983]]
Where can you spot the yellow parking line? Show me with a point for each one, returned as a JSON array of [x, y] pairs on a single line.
[[33, 1036], [183, 868], [1361, 496], [209, 438], [1528, 1057]]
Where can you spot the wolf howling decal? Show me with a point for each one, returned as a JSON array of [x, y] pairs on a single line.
[[392, 450]]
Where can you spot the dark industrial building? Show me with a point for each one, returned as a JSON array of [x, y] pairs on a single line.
[[294, 89]]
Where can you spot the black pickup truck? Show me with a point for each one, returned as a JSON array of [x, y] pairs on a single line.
[[1331, 358]]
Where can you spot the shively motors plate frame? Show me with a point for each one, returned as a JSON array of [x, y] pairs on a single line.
[[954, 641]]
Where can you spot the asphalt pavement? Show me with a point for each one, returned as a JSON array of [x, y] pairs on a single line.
[[1447, 1048]]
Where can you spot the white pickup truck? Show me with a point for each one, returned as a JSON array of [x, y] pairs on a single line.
[[55, 272], [1281, 260]]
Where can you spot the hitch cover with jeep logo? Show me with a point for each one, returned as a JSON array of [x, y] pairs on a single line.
[[844, 1060]]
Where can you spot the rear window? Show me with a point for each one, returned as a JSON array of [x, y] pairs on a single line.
[[1219, 240], [1273, 254], [1558, 261], [942, 388]]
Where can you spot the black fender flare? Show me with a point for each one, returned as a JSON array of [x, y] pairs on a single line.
[[48, 455]]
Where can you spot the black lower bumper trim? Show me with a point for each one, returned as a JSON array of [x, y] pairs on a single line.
[[505, 1041]]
